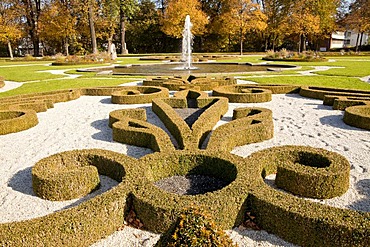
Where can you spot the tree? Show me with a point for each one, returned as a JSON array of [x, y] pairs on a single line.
[[358, 18], [127, 10], [31, 10], [243, 16], [58, 25], [174, 17], [10, 28]]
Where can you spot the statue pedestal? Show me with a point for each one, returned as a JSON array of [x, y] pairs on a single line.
[[124, 50]]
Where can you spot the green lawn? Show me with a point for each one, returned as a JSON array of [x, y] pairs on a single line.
[[36, 81]]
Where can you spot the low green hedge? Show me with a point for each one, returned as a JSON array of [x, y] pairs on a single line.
[[313, 173], [242, 94], [118, 115], [321, 92], [177, 83], [298, 220], [341, 103], [139, 133], [138, 95], [250, 125], [275, 89], [89, 221], [190, 137], [12, 121], [358, 116], [158, 209]]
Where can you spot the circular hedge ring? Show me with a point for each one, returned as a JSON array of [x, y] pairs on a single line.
[[73, 174], [159, 209], [17, 120], [243, 94], [358, 116], [138, 95], [312, 172], [295, 219]]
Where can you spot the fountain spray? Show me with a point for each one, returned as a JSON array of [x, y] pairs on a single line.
[[187, 40]]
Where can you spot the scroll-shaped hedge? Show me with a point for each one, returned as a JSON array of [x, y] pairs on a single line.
[[138, 95], [358, 116], [341, 103], [190, 82], [12, 121], [89, 221], [321, 92], [190, 137], [276, 88], [158, 209], [118, 115], [298, 220], [243, 94], [142, 134], [313, 173], [250, 125]]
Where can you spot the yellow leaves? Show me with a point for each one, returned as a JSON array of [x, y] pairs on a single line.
[[174, 17]]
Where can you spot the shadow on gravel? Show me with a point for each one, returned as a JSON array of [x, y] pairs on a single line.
[[22, 181]]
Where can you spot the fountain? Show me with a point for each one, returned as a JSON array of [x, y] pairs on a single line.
[[187, 40]]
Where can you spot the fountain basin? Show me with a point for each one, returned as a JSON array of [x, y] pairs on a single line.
[[200, 69]]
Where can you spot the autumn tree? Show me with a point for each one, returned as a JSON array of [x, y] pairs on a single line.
[[358, 19], [243, 16], [58, 24], [31, 10], [127, 9], [10, 27], [174, 17]]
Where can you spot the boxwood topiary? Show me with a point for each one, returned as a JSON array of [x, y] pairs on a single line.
[[250, 125], [321, 92], [138, 95], [118, 115], [358, 116], [17, 120], [241, 94]]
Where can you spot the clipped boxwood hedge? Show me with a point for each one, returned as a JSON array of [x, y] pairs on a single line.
[[275, 88], [358, 116], [242, 94], [178, 83], [138, 95], [341, 103], [190, 137], [89, 221], [12, 121], [118, 115], [139, 133], [321, 92], [158, 209], [313, 173], [298, 220], [250, 125]]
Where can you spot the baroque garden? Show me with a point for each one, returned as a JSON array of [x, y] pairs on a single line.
[[190, 141]]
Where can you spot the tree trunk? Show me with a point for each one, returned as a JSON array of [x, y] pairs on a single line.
[[241, 42], [10, 50], [66, 47], [123, 33], [358, 36], [92, 29], [362, 35]]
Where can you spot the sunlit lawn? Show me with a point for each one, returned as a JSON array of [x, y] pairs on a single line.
[[35, 81]]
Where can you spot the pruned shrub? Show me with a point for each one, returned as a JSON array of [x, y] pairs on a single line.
[[321, 92], [241, 94], [12, 121], [358, 116], [138, 95], [250, 125]]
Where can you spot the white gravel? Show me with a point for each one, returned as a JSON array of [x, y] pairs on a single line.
[[82, 124]]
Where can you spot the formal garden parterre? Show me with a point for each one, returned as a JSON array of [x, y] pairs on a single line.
[[301, 171]]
